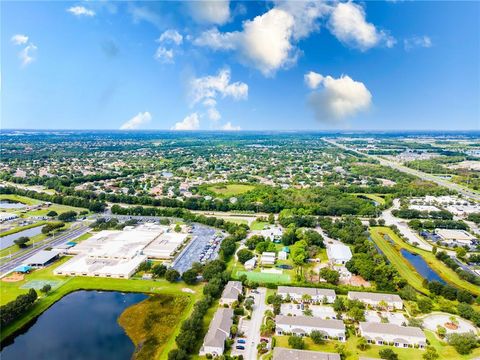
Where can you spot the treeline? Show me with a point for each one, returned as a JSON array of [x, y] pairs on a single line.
[[449, 292], [417, 214], [70, 200], [437, 224], [232, 228], [14, 309], [188, 339], [452, 264]]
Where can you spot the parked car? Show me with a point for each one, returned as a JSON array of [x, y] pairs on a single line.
[[240, 347], [241, 341]]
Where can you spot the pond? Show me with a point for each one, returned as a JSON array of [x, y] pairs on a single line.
[[8, 240], [82, 325], [9, 204], [421, 266]]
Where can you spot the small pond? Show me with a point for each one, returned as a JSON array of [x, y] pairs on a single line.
[[9, 204], [6, 241], [421, 266], [82, 325]]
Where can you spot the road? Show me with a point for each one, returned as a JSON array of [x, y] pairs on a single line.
[[52, 241], [255, 323], [424, 176]]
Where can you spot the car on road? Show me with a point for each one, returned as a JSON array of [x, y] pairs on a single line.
[[240, 347]]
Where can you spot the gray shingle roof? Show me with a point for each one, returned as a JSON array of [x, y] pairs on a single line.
[[305, 290], [232, 290], [310, 321], [219, 328], [41, 257], [290, 354], [391, 329], [357, 295]]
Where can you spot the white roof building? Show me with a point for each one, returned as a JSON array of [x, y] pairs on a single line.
[[458, 236], [399, 336], [296, 293], [250, 264], [304, 325], [338, 253], [268, 258], [291, 354], [392, 301]]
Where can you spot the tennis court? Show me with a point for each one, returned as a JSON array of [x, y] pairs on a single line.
[[38, 284]]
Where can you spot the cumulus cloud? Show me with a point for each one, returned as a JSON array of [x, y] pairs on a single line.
[[210, 12], [191, 122], [229, 127], [417, 42], [19, 39], [338, 98], [81, 11], [207, 89], [313, 79], [268, 41], [349, 25], [164, 55], [137, 121], [172, 36]]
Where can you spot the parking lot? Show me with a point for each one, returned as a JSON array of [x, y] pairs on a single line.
[[203, 247], [393, 318]]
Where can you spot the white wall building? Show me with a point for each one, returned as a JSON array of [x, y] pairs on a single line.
[[399, 336], [296, 293], [280, 353], [268, 258], [393, 302], [304, 325], [338, 253]]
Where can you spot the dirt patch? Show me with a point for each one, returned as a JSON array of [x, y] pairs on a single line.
[[15, 277], [451, 326], [356, 280]]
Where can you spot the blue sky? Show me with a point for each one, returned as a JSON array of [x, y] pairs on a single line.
[[240, 65]]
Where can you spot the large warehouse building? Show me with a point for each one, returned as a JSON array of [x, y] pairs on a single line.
[[114, 253]]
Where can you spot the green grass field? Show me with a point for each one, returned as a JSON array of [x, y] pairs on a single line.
[[21, 199], [230, 189], [373, 197], [404, 268], [445, 351], [54, 207], [264, 277], [258, 225], [440, 268]]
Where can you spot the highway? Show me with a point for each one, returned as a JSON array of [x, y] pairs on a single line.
[[52, 241], [424, 176]]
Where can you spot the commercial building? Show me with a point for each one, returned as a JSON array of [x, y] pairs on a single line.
[[268, 258], [391, 301], [272, 233], [338, 253], [280, 353], [218, 333], [296, 293], [232, 291], [460, 237], [304, 325], [165, 246], [41, 259], [391, 334]]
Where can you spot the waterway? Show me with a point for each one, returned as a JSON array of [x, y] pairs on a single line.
[[421, 266], [82, 325], [8, 240], [8, 204]]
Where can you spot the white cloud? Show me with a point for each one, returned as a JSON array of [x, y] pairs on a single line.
[[229, 127], [191, 122], [19, 39], [144, 13], [416, 42], [81, 11], [216, 40], [137, 121], [347, 22], [164, 55], [27, 55], [172, 36], [339, 98], [214, 114], [210, 86], [313, 79], [210, 12]]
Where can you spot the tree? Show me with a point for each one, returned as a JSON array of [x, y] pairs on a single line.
[[463, 343], [46, 288], [388, 354], [21, 242], [330, 276], [362, 344], [52, 213], [177, 228], [461, 252], [213, 268], [430, 353], [296, 342], [253, 241], [67, 216], [189, 277], [339, 304], [244, 255], [177, 354], [425, 305], [172, 275], [271, 219], [317, 337], [159, 270]]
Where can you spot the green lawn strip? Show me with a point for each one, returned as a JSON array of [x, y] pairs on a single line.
[[80, 283], [235, 220], [15, 251], [230, 189], [21, 228], [59, 209], [404, 268], [446, 352], [263, 277], [258, 225], [440, 268], [373, 197], [21, 199]]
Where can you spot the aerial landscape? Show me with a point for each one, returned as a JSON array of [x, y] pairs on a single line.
[[279, 180]]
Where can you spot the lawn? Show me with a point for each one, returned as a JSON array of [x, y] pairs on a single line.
[[264, 277], [440, 268], [228, 190], [377, 198], [404, 268], [446, 352], [59, 209], [70, 284], [21, 228], [150, 323], [258, 225]]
